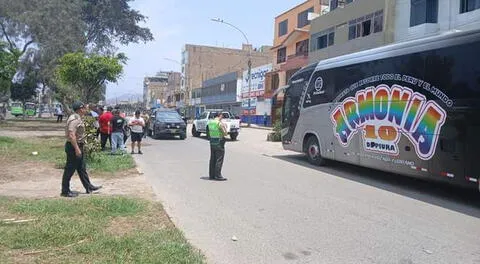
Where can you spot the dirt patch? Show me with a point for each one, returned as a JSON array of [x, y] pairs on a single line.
[[154, 221], [30, 134], [36, 179], [47, 184], [31, 171]]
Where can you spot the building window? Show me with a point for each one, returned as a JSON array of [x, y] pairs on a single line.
[[301, 48], [334, 4], [323, 39], [378, 22], [469, 5], [423, 11], [303, 18], [281, 55], [363, 26], [283, 28]]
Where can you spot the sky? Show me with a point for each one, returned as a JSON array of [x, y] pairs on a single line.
[[175, 23]]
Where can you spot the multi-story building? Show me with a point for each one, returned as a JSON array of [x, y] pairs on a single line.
[[291, 43], [173, 90], [154, 90], [161, 89], [420, 18], [351, 26], [222, 92], [200, 63]]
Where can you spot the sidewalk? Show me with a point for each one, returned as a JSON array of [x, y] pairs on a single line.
[[244, 125]]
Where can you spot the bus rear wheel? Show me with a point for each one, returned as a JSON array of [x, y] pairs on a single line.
[[312, 150]]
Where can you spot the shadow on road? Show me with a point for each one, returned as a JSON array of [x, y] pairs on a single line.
[[227, 139], [454, 198]]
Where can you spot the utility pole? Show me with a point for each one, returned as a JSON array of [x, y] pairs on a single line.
[[249, 88], [218, 20]]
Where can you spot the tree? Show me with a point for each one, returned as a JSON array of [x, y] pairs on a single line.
[[8, 67], [42, 31], [26, 87], [110, 21], [88, 73]]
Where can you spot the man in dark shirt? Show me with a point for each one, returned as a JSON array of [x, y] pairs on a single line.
[[118, 124]]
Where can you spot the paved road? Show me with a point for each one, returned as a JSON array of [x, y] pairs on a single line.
[[283, 210]]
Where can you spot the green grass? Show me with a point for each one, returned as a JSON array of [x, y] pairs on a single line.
[[105, 162], [51, 149], [62, 222]]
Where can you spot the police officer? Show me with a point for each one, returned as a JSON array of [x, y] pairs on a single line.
[[75, 134], [217, 133]]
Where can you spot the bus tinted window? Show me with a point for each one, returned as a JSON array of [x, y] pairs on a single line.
[[320, 89], [455, 71]]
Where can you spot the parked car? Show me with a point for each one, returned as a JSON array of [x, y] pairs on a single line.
[[200, 125], [166, 122]]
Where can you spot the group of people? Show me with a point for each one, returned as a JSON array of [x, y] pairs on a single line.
[[111, 124]]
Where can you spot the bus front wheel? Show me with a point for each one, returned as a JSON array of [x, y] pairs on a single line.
[[313, 152]]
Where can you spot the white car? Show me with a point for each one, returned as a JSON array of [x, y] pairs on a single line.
[[200, 125]]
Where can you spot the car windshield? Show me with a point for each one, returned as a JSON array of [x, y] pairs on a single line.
[[29, 106], [16, 105], [169, 116]]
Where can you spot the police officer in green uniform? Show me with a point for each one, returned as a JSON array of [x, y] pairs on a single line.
[[217, 133], [75, 134]]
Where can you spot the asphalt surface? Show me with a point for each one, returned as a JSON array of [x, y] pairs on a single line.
[[283, 210]]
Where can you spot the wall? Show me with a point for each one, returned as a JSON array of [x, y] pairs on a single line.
[[339, 19], [449, 18], [203, 62]]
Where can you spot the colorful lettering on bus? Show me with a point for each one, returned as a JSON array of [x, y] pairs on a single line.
[[383, 114]]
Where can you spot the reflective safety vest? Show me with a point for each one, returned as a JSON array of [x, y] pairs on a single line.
[[214, 131]]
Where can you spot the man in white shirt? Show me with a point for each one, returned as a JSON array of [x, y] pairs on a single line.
[[136, 126]]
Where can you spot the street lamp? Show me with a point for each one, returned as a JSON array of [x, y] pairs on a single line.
[[218, 20]]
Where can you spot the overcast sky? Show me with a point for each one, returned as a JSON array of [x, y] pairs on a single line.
[[175, 23]]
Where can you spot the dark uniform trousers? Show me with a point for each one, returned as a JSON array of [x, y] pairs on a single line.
[[75, 163], [217, 153], [103, 139]]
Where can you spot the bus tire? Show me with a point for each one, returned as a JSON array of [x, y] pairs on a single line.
[[313, 152]]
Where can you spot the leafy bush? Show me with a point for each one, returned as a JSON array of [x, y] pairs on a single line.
[[92, 144], [276, 135]]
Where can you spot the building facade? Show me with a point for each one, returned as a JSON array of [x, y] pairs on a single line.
[[351, 26], [259, 106], [222, 92], [291, 44], [420, 18], [201, 63], [155, 90], [173, 90]]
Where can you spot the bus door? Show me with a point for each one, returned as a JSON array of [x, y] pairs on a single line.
[[472, 172]]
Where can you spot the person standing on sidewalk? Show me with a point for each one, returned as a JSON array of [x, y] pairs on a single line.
[[136, 126], [105, 127], [217, 133], [118, 130], [75, 134]]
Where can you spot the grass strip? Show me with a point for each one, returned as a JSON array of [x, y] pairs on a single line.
[[80, 230]]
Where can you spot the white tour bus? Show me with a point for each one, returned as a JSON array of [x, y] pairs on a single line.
[[411, 108]]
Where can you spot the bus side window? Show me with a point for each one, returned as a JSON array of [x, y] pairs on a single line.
[[320, 89]]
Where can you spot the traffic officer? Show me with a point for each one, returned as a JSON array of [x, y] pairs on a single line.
[[75, 134], [217, 132]]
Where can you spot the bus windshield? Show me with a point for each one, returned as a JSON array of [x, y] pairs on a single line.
[[287, 107]]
